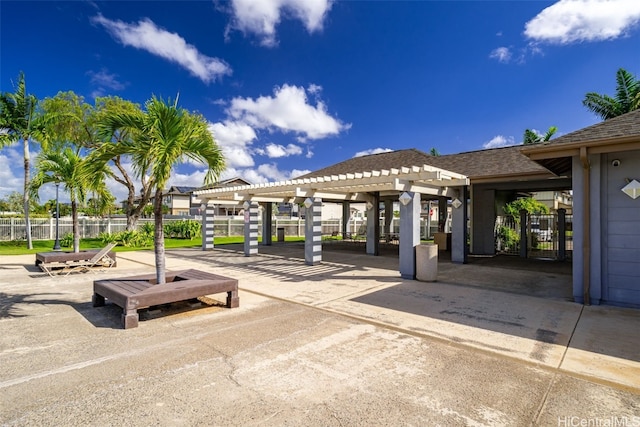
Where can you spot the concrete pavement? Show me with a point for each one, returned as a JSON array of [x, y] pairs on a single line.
[[346, 342]]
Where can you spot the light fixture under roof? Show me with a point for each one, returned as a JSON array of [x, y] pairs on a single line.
[[308, 202], [405, 198]]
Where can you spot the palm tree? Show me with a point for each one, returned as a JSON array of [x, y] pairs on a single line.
[[17, 123], [627, 97], [533, 137], [161, 136], [77, 175], [104, 108]]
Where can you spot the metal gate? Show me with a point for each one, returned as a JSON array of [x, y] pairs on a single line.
[[546, 236]]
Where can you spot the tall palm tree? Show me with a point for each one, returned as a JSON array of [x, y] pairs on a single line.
[[162, 136], [136, 202], [533, 137], [77, 175], [627, 97], [17, 123]]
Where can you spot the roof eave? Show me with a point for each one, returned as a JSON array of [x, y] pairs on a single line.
[[571, 149]]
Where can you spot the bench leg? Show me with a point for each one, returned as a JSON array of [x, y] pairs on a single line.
[[98, 300], [232, 299], [130, 319]]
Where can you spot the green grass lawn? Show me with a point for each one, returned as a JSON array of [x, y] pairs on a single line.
[[17, 247]]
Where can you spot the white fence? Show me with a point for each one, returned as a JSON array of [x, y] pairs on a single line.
[[45, 229]]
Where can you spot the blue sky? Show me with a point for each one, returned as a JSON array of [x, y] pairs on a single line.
[[291, 86]]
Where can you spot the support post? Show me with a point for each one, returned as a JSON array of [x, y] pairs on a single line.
[[562, 234], [250, 228], [523, 234], [459, 232], [442, 214], [267, 216], [346, 215], [373, 226], [208, 215], [409, 233], [313, 231], [388, 218]]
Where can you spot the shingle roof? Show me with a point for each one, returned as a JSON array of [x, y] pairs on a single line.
[[505, 161], [180, 190], [625, 125]]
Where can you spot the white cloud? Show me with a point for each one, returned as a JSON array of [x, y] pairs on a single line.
[[499, 141], [105, 79], [275, 151], [314, 88], [194, 179], [502, 54], [260, 17], [287, 111], [264, 173], [298, 172], [569, 21], [10, 180], [372, 151], [147, 36], [235, 139]]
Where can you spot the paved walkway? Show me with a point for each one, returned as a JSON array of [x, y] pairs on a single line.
[[346, 342]]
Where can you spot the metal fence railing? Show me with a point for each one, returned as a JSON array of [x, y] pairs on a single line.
[[44, 228], [542, 239]]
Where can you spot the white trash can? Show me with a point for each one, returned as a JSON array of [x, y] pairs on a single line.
[[427, 262]]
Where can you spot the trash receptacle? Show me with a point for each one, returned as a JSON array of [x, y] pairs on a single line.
[[280, 234], [427, 262]]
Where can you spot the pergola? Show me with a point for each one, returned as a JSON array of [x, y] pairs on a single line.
[[404, 184]]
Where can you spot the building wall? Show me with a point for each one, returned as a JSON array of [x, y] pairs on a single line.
[[621, 233]]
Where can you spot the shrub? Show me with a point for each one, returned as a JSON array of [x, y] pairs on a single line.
[[67, 240], [510, 238], [183, 229], [126, 238]]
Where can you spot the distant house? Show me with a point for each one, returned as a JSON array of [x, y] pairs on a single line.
[[179, 200], [220, 210]]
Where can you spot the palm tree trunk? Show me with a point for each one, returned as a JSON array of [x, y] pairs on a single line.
[[76, 225], [25, 196], [132, 221], [158, 238]]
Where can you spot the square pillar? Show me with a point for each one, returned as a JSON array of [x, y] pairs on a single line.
[[459, 226], [346, 215], [267, 230], [313, 231], [208, 215], [373, 226], [442, 214], [409, 233], [388, 217], [250, 228]]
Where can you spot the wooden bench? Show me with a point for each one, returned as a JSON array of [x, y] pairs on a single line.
[[133, 293]]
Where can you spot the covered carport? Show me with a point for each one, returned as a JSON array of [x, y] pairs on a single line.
[[405, 184]]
